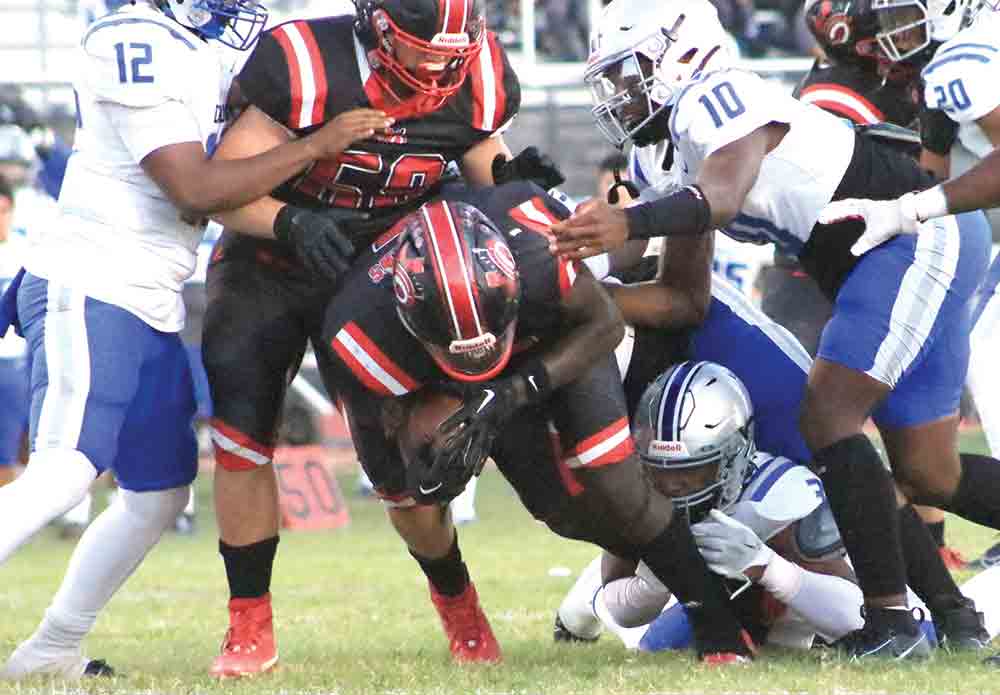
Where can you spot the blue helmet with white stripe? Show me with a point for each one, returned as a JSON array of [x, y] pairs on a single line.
[[693, 429]]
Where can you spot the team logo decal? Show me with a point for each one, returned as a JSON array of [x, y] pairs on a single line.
[[839, 30], [402, 285], [500, 255]]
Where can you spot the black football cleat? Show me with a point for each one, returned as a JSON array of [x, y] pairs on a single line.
[[98, 668], [959, 626], [561, 633], [887, 634], [993, 661]]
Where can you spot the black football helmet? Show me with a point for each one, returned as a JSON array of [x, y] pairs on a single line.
[[457, 289], [845, 30], [448, 33]]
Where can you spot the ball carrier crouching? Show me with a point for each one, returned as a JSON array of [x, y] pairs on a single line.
[[553, 415]]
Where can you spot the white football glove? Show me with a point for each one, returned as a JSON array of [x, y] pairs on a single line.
[[729, 547], [883, 219]]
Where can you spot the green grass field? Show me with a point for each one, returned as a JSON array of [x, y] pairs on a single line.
[[353, 616]]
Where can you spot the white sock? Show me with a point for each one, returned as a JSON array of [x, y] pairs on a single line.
[[577, 610], [984, 589], [463, 507], [108, 553], [80, 514], [189, 508], [630, 636], [984, 372], [54, 481]]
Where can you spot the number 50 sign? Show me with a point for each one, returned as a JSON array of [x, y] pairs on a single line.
[[309, 496]]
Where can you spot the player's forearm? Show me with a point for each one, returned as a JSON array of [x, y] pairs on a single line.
[[976, 189], [220, 184], [255, 219], [656, 305], [595, 327], [830, 604]]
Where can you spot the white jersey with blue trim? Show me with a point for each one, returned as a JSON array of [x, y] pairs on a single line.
[[796, 179], [963, 79], [738, 263], [142, 82], [778, 493]]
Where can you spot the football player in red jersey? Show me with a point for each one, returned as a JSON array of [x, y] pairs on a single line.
[[464, 291], [432, 66]]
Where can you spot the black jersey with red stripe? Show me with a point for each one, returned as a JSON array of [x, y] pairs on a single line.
[[306, 72], [372, 349], [859, 96]]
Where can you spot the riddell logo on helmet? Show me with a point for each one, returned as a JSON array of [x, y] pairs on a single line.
[[451, 40], [477, 346], [660, 448]]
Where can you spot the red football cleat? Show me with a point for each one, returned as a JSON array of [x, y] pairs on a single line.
[[743, 654], [470, 637], [248, 648], [952, 559]]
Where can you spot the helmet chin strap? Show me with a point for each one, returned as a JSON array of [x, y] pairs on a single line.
[[630, 188]]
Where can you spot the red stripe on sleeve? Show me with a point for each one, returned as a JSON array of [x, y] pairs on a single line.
[[380, 358], [294, 76], [318, 74], [498, 80]]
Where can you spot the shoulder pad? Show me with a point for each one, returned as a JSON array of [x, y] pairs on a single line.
[[818, 537], [136, 60], [889, 132], [961, 80], [492, 89], [779, 492]]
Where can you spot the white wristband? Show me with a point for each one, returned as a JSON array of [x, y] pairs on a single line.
[[782, 578], [599, 265], [930, 204]]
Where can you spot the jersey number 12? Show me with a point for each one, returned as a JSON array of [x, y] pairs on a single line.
[[142, 55]]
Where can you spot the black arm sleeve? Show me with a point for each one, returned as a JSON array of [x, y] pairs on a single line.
[[684, 212]]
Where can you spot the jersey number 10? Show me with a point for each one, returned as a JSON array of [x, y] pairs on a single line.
[[728, 101]]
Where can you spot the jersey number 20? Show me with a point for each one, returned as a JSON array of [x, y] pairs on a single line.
[[727, 100]]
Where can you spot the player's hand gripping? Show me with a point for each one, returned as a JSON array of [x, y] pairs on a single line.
[[730, 548], [529, 165], [318, 238], [883, 219], [594, 228], [464, 440], [339, 133]]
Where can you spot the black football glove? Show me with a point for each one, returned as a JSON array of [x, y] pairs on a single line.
[[530, 165], [318, 238]]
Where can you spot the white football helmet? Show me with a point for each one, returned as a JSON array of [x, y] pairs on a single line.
[[907, 27], [235, 23], [643, 53], [698, 414]]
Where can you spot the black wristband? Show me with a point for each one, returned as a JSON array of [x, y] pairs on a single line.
[[684, 212], [283, 222], [537, 383]]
